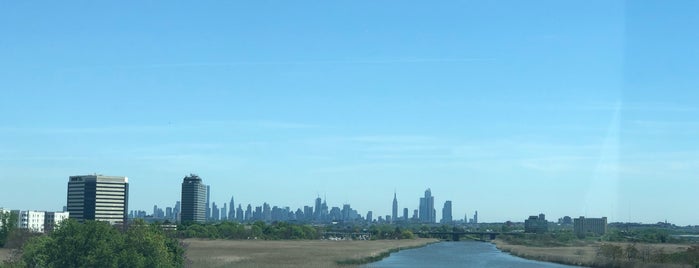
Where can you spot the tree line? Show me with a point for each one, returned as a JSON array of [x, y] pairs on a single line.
[[257, 230], [98, 244]]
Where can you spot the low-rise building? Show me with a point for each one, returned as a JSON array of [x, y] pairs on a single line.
[[31, 220], [52, 219], [589, 226], [536, 224]]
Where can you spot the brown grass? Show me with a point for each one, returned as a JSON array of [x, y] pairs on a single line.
[[584, 255], [302, 253], [5, 254]]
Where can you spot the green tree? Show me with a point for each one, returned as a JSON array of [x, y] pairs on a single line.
[[8, 223], [98, 244]]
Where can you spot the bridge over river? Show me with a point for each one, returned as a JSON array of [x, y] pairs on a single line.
[[456, 236]]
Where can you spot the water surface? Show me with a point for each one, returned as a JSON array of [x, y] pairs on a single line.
[[458, 254]]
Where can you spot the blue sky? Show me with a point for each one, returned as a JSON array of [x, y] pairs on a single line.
[[510, 108]]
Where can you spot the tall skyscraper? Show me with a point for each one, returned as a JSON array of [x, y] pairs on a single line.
[[405, 214], [446, 213], [427, 212], [239, 215], [208, 215], [98, 197], [231, 211], [215, 215], [248, 213], [224, 212], [176, 211], [194, 199], [394, 214], [266, 212], [316, 213]]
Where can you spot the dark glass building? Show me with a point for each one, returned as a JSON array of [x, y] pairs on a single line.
[[98, 197], [193, 208]]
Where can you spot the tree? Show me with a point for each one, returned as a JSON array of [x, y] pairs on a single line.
[[8, 223], [98, 244]]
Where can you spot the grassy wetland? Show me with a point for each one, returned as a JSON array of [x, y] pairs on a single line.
[[290, 253]]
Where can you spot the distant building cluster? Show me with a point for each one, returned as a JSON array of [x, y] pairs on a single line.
[[581, 226], [196, 206], [105, 198]]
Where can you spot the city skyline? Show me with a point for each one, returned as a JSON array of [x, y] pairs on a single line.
[[313, 212], [427, 200], [506, 109]]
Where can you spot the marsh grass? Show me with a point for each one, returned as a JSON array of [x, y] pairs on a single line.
[[587, 254], [292, 253]]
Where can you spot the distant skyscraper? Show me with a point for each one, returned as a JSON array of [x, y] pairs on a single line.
[[231, 211], [266, 212], [317, 213], [194, 199], [239, 215], [324, 210], [475, 217], [208, 205], [215, 213], [394, 214], [427, 212], [176, 210], [369, 216], [248, 213], [446, 213], [98, 197], [405, 214], [224, 212]]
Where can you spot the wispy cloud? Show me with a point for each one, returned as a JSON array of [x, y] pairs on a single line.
[[637, 106], [170, 126], [310, 62]]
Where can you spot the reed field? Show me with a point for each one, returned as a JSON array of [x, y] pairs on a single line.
[[291, 253], [587, 254], [4, 254]]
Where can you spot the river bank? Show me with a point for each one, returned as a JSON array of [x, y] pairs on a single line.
[[587, 254], [292, 253]]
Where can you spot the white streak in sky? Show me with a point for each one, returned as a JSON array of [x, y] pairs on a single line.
[[603, 193]]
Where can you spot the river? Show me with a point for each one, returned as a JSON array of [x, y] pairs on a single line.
[[458, 254]]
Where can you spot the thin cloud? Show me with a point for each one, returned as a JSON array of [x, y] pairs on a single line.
[[263, 124], [227, 64]]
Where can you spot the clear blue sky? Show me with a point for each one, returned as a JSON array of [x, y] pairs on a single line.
[[510, 108]]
